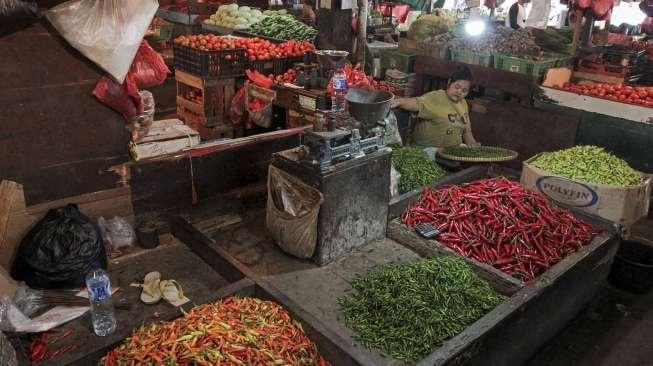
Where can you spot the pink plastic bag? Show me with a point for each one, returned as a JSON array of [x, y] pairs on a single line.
[[123, 98], [148, 67]]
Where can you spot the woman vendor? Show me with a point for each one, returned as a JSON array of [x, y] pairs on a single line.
[[443, 114]]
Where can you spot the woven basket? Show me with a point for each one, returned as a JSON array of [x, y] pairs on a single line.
[[444, 153]]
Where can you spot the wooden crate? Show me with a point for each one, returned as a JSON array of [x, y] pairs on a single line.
[[217, 95], [207, 128]]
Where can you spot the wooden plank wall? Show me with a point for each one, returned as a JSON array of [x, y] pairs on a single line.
[[55, 138], [525, 130], [164, 187]]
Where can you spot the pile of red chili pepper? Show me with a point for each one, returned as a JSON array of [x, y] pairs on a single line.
[[233, 331], [356, 78], [499, 222], [38, 348]]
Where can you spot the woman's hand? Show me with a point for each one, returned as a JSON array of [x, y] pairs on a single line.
[[409, 104]]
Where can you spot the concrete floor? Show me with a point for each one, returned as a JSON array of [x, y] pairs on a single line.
[[616, 329]]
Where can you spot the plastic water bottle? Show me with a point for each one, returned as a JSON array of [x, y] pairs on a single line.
[[99, 294], [339, 91]]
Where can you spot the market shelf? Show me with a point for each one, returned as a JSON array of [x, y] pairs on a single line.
[[602, 106]]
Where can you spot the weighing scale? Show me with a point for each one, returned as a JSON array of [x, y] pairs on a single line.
[[347, 161]]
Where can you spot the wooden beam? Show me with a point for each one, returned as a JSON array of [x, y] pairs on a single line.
[[361, 38], [222, 263], [578, 15]]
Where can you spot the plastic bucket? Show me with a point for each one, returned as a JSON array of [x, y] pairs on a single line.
[[632, 269]]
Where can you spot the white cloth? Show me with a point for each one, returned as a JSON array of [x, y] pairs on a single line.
[[431, 152], [522, 15], [539, 14]]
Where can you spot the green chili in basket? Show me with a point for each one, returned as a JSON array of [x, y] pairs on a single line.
[[589, 164], [415, 167], [406, 310]]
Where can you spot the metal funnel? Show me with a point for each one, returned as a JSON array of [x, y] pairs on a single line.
[[369, 106], [330, 58]]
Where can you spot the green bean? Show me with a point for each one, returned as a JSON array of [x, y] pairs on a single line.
[[590, 164], [415, 167], [406, 310]]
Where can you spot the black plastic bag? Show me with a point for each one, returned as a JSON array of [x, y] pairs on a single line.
[[13, 10], [60, 250]]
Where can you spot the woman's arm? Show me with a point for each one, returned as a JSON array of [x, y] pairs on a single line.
[[409, 104], [468, 138]]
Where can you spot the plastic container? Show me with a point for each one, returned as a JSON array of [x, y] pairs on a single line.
[[99, 295], [267, 67], [339, 91], [221, 64], [471, 57], [525, 66], [632, 270], [148, 235]]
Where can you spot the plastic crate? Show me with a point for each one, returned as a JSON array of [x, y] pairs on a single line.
[[441, 53], [565, 61], [162, 32], [221, 64], [267, 67], [291, 61], [403, 83], [524, 66], [471, 57], [400, 60]]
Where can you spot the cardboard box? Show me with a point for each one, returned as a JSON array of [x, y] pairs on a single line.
[[7, 284], [621, 205], [164, 137]]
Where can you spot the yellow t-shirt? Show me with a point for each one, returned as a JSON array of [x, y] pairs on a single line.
[[442, 122]]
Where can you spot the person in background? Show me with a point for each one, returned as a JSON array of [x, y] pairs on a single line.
[[444, 115], [517, 15], [647, 25], [308, 12]]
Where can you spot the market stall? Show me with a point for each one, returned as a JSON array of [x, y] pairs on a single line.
[[286, 214]]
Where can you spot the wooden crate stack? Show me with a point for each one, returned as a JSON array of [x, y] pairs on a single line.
[[209, 115]]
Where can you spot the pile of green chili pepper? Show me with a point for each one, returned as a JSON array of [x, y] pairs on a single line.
[[589, 164], [415, 167], [476, 152], [233, 331], [406, 310], [284, 27]]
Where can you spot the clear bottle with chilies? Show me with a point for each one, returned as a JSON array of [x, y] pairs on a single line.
[[339, 90], [99, 295]]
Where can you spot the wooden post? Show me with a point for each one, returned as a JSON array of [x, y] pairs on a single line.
[[586, 33], [361, 39], [577, 29]]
